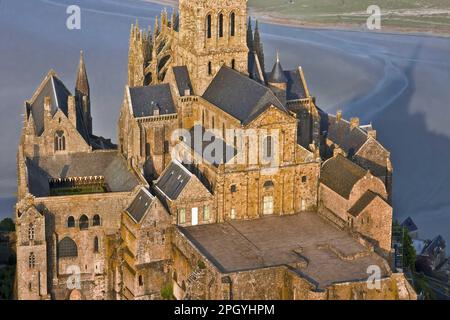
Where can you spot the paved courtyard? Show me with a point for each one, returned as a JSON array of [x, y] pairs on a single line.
[[304, 241]]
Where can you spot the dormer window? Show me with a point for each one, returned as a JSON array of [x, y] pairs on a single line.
[[60, 141]]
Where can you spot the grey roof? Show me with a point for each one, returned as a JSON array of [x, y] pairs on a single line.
[[145, 100], [108, 164], [140, 205], [277, 75], [341, 174], [295, 88], [183, 80], [173, 180], [253, 69], [410, 225], [58, 93], [436, 246], [240, 96], [362, 203], [340, 132]]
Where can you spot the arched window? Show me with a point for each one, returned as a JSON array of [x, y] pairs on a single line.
[[60, 141], [96, 220], [268, 184], [71, 222], [67, 248], [210, 68], [31, 232], [31, 260], [208, 26], [96, 244], [84, 222], [233, 64], [221, 25], [233, 24], [268, 147]]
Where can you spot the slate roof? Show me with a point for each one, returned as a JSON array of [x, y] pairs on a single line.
[[240, 96], [436, 246], [340, 175], [173, 180], [253, 70], [410, 225], [108, 164], [362, 203], [340, 132], [58, 93], [145, 100], [140, 205], [277, 75], [183, 80], [295, 88]]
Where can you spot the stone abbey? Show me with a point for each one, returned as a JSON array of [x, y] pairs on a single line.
[[228, 182]]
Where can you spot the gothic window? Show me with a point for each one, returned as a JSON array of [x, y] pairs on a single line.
[[71, 222], [31, 232], [209, 26], [60, 141], [31, 260], [210, 68], [96, 244], [84, 222], [206, 213], [67, 248], [221, 25], [268, 147], [182, 216], [96, 220], [233, 24]]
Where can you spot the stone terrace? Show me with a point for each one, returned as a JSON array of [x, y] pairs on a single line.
[[314, 248]]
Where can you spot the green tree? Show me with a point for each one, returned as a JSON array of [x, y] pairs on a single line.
[[409, 253], [8, 225]]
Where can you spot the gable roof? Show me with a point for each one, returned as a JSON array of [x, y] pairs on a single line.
[[51, 87], [340, 175], [409, 224], [183, 80], [173, 180], [146, 100], [240, 96], [362, 203], [140, 205]]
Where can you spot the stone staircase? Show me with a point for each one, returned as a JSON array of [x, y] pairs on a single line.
[[193, 282]]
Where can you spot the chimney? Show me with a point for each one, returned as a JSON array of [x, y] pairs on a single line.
[[339, 115], [354, 123], [72, 111]]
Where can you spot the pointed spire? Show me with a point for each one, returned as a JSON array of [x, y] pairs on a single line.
[[250, 35], [82, 84], [258, 46], [156, 28], [277, 75]]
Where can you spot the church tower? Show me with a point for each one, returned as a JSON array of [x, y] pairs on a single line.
[[212, 34], [83, 94]]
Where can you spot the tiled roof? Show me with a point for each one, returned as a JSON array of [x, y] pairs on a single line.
[[140, 205], [240, 96], [362, 203], [340, 175], [183, 80], [146, 100]]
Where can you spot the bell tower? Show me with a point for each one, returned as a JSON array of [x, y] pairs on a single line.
[[212, 33]]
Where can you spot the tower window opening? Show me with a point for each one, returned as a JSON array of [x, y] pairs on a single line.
[[31, 232], [60, 141], [233, 24], [221, 25], [208, 26], [31, 260]]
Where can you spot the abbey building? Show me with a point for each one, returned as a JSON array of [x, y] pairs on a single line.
[[228, 181]]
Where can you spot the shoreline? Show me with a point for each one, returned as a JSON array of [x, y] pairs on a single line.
[[279, 20]]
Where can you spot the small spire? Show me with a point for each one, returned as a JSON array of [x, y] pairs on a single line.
[[82, 84], [278, 56], [277, 75]]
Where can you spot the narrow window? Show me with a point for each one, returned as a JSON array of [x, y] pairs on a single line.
[[203, 118], [208, 26], [221, 25], [71, 222], [60, 141], [206, 213], [233, 64], [96, 220], [268, 147], [233, 214], [31, 260], [141, 281], [233, 24], [210, 68], [182, 216], [233, 188], [31, 232], [213, 123], [304, 179], [84, 222], [96, 244]]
